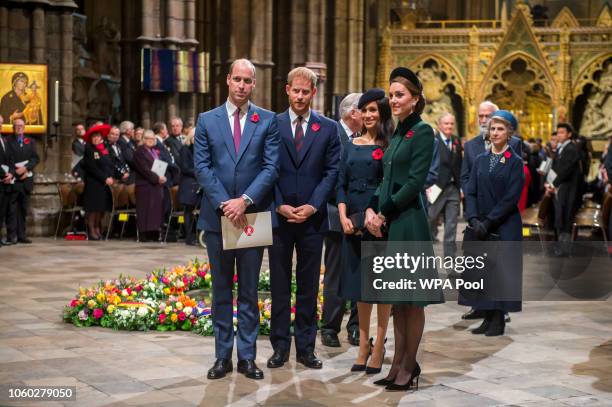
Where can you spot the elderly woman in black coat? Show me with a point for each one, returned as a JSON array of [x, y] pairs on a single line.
[[188, 188], [149, 189], [99, 171]]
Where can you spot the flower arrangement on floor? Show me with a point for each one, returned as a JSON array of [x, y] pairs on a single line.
[[160, 301]]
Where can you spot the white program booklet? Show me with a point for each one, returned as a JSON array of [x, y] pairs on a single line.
[[544, 166], [433, 192], [159, 167], [551, 177], [257, 233], [23, 164]]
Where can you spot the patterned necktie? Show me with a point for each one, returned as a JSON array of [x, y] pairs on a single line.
[[299, 134], [448, 143], [20, 140], [237, 133]]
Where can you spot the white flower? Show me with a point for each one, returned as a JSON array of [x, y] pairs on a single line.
[[124, 293], [152, 285], [187, 310], [142, 311]]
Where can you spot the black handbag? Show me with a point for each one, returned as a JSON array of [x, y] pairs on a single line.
[[358, 221]]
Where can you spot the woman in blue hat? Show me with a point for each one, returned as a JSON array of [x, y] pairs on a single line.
[[491, 208]]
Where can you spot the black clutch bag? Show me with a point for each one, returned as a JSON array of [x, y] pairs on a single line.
[[358, 221]]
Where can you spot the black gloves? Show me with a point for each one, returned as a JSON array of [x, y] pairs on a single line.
[[481, 229]]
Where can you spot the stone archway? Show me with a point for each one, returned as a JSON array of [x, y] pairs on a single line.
[[593, 103], [521, 85]]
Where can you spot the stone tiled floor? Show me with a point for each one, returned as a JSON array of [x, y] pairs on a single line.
[[555, 353]]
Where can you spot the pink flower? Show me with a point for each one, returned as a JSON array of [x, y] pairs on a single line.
[[235, 278], [97, 313], [507, 154], [138, 288], [293, 310], [409, 134], [255, 117], [26, 141], [315, 127], [165, 280], [162, 318], [182, 316], [74, 303]]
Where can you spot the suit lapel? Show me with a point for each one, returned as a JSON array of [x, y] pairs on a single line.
[[309, 136], [226, 131], [284, 127], [247, 134]]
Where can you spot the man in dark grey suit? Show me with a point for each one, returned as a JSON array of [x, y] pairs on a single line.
[[349, 126], [449, 149]]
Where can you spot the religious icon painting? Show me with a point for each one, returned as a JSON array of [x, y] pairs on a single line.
[[24, 95]]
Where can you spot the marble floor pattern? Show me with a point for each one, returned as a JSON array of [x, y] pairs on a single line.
[[554, 353]]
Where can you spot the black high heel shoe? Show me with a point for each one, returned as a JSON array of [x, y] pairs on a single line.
[[361, 368], [416, 372], [384, 382], [375, 370]]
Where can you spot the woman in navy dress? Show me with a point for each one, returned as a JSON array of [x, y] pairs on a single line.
[[360, 174], [491, 208]]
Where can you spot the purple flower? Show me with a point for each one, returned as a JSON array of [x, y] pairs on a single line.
[[83, 315]]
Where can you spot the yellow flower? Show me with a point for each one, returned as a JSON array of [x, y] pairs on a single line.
[[91, 303], [101, 297], [166, 290], [266, 314], [110, 309], [117, 300], [179, 305], [173, 317], [154, 279], [167, 310]]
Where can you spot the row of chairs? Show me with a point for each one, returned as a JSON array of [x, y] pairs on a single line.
[[590, 216], [123, 208]]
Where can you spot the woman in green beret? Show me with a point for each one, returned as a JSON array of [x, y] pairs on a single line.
[[398, 207]]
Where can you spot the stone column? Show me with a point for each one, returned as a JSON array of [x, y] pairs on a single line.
[[471, 102], [4, 33], [38, 36], [66, 91]]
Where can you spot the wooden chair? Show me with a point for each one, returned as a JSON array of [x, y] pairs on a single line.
[[120, 200], [593, 218], [68, 196], [536, 216], [174, 212]]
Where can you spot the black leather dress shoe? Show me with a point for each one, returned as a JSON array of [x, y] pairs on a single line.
[[220, 369], [248, 368], [278, 359], [353, 337], [473, 314], [310, 360], [330, 339], [24, 240]]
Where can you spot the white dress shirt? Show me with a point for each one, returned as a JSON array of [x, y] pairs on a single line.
[[293, 117], [347, 130], [231, 109]]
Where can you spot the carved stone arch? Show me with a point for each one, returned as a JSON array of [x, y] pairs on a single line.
[[523, 85], [566, 19], [587, 74], [454, 76], [542, 73], [443, 87]]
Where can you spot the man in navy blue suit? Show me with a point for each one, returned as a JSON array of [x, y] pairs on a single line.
[[309, 159], [472, 149], [236, 163]]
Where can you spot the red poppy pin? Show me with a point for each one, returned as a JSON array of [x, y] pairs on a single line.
[[315, 127], [255, 117], [249, 230], [377, 154], [409, 134], [507, 154], [104, 151], [26, 141], [456, 142]]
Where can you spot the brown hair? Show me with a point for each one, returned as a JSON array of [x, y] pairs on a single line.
[[414, 91], [304, 73]]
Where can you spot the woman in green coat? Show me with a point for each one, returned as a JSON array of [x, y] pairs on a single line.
[[398, 207]]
